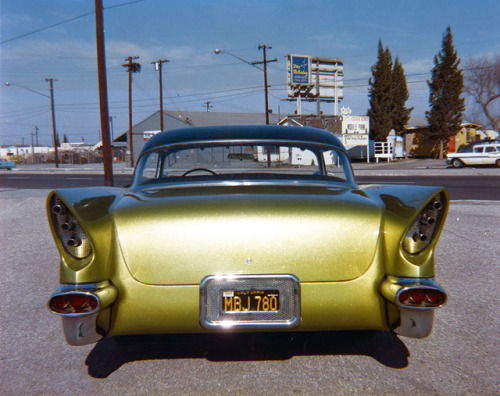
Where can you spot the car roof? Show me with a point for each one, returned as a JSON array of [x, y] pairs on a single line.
[[242, 133], [487, 145]]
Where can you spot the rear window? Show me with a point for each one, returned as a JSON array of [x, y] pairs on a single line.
[[242, 162]]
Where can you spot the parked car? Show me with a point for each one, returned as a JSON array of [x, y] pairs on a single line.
[[478, 154], [7, 165], [245, 228]]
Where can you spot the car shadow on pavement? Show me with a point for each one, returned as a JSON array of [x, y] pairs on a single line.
[[110, 354]]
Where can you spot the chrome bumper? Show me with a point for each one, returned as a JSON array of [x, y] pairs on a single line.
[[81, 328], [415, 322]]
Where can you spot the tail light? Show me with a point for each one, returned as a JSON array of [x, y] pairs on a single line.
[[73, 303], [421, 297], [421, 232], [69, 230]]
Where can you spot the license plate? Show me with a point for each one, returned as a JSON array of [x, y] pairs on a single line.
[[250, 301], [236, 301]]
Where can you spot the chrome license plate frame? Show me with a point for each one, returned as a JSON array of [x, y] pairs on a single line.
[[215, 288]]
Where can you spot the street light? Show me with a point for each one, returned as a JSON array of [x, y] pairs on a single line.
[[221, 52], [254, 64], [51, 97], [8, 84]]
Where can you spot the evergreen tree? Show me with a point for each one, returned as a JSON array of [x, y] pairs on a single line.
[[401, 114], [380, 94], [65, 139], [446, 86]]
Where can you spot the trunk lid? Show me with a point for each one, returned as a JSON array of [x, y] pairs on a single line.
[[178, 236]]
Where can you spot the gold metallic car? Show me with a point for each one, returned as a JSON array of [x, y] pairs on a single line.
[[245, 228]]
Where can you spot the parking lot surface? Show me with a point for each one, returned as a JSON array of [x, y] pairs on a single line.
[[460, 357]]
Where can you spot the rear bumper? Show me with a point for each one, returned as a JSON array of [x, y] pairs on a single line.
[[82, 329], [414, 322]]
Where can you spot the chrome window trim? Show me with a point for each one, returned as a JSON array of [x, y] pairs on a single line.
[[254, 142], [337, 185]]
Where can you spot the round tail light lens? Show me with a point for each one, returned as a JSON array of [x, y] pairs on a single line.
[[59, 303], [417, 296], [78, 301], [73, 303], [422, 297], [435, 297]]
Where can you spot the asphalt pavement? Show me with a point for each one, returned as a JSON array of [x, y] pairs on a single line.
[[460, 357], [409, 166]]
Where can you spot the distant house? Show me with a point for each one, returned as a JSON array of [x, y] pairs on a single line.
[[419, 144], [469, 133]]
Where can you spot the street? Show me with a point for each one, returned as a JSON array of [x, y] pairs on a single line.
[[485, 185], [460, 357]]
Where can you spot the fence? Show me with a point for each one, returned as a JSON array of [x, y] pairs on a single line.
[[384, 150]]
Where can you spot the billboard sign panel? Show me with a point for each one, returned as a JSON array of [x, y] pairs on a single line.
[[310, 77], [301, 70], [353, 125]]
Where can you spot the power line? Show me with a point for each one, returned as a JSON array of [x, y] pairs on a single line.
[[63, 22]]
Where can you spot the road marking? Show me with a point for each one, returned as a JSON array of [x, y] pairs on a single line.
[[79, 178]]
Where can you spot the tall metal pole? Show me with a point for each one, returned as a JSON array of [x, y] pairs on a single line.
[[56, 155], [103, 96]]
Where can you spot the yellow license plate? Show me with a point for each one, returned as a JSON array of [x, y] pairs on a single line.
[[250, 301]]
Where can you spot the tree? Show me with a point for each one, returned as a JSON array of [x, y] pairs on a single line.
[[380, 94], [482, 82], [400, 95], [65, 139], [446, 87]]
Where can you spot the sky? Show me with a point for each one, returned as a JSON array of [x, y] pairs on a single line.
[[42, 39]]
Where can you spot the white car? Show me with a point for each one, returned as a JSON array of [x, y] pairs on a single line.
[[480, 154]]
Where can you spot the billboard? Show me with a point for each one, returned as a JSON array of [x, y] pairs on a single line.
[[355, 125], [309, 77], [300, 69]]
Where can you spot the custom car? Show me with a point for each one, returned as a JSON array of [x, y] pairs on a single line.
[[245, 228]]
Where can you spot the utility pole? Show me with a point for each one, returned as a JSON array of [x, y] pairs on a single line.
[[158, 67], [111, 125], [56, 155], [32, 149], [318, 99], [264, 47], [208, 105], [103, 95], [36, 135], [132, 67]]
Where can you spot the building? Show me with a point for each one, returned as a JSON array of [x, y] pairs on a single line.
[[146, 128], [418, 143]]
